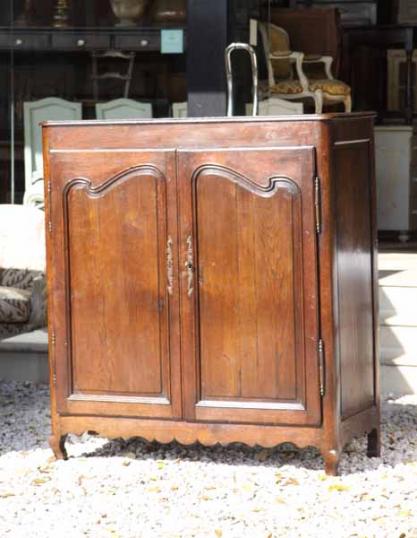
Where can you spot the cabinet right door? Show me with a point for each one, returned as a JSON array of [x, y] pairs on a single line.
[[249, 292]]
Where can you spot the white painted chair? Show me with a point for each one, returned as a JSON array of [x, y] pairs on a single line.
[[123, 109], [180, 110], [274, 106], [35, 112]]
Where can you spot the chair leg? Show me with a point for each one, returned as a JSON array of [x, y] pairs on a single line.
[[348, 103], [318, 101]]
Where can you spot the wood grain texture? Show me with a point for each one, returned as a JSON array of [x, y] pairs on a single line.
[[246, 272], [208, 434], [121, 343], [117, 284], [354, 267], [252, 331]]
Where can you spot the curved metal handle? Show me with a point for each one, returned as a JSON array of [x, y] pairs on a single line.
[[229, 75], [189, 265], [170, 267]]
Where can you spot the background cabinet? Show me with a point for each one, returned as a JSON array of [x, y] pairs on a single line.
[[396, 173], [228, 243]]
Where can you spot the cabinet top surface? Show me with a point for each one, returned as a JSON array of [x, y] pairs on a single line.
[[220, 119], [200, 133]]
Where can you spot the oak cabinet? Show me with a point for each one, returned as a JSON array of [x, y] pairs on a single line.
[[213, 280]]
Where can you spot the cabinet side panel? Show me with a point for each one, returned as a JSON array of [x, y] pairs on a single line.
[[355, 281]]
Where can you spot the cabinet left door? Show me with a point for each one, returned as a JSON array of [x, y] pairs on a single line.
[[113, 299]]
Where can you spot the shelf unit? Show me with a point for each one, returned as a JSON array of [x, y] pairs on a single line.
[[76, 39], [42, 61]]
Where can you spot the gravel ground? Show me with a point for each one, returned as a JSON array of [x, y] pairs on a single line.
[[134, 489]]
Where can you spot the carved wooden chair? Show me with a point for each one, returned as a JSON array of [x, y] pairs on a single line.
[[287, 83]]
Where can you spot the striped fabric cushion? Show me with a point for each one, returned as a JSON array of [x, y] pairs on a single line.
[[18, 278], [15, 305]]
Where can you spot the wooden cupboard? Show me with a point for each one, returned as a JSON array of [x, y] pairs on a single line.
[[214, 280]]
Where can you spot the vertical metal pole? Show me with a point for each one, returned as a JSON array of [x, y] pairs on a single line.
[[229, 75], [12, 112]]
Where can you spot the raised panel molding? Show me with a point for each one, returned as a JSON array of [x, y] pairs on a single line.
[[275, 182], [265, 189], [96, 194], [108, 183]]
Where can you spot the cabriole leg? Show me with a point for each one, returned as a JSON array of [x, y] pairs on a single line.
[[57, 444], [374, 443], [331, 462]]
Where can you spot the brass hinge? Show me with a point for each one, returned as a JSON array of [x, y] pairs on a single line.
[[317, 204], [320, 349], [49, 202], [52, 356]]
